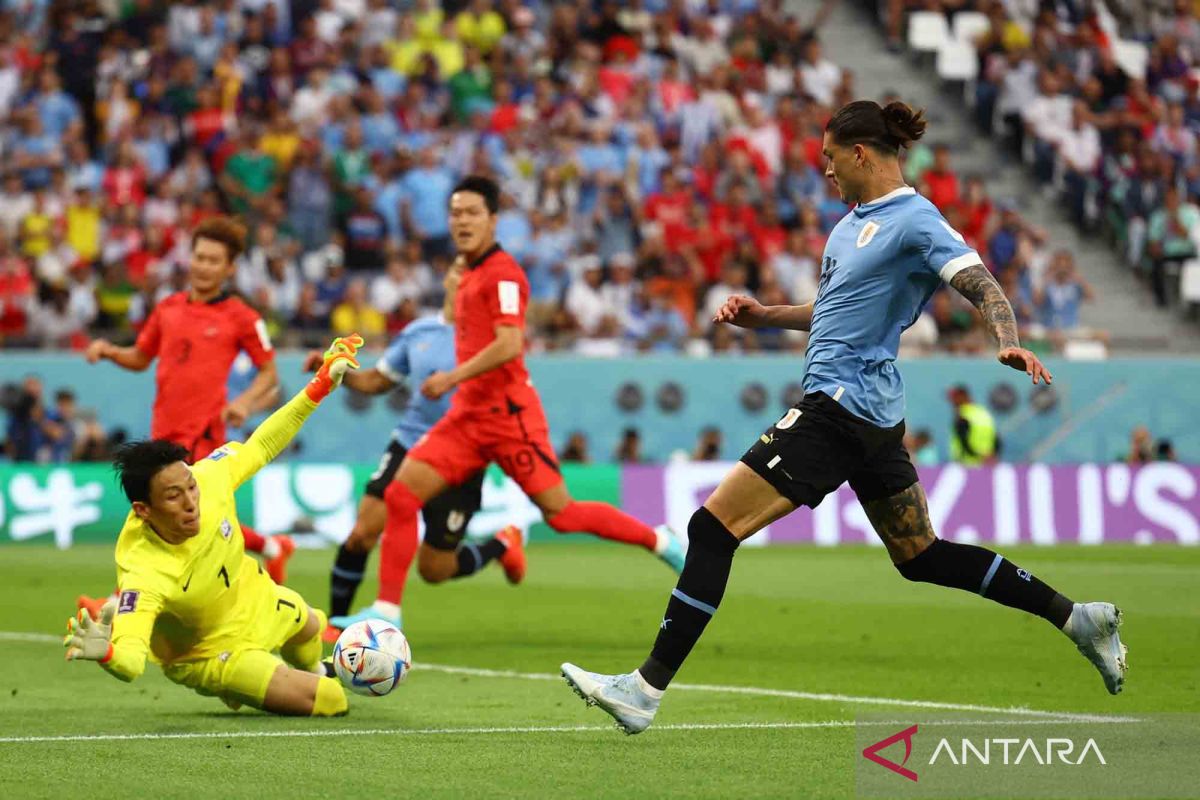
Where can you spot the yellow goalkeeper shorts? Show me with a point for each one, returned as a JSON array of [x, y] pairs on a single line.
[[244, 664]]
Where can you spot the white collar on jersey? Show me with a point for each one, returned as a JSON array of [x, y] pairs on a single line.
[[892, 195]]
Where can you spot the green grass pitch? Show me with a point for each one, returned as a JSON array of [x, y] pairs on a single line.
[[800, 620]]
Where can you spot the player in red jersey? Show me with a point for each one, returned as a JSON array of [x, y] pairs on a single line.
[[196, 335], [496, 415]]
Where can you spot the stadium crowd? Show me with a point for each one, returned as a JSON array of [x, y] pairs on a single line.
[[1102, 100], [656, 157]]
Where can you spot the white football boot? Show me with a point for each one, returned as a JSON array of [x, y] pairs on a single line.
[[1093, 628], [621, 696]]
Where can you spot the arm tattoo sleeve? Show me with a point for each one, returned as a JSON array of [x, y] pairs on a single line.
[[977, 285]]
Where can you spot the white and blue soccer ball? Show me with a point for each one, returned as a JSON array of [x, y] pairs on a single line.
[[372, 657]]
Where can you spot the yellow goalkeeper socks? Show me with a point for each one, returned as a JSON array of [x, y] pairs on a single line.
[[330, 700]]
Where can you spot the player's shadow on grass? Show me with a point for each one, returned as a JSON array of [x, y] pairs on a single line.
[[254, 715]]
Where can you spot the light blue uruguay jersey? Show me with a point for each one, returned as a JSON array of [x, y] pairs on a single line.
[[882, 262], [424, 347]]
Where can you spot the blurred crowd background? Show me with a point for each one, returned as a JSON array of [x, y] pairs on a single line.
[[656, 157]]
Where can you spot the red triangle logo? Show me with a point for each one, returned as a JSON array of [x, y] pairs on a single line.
[[872, 752]]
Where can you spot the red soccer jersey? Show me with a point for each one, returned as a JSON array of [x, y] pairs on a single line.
[[493, 291], [195, 344]]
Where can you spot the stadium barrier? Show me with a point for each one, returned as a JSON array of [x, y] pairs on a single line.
[[1085, 418], [1086, 504]]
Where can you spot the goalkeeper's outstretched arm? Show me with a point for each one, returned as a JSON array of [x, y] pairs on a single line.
[[277, 430], [121, 653]]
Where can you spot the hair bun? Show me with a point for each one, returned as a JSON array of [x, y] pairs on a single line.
[[903, 124]]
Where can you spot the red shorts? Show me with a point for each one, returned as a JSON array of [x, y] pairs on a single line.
[[516, 437], [198, 443]]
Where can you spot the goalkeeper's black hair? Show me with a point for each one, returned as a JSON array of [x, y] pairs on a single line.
[[483, 186], [137, 463]]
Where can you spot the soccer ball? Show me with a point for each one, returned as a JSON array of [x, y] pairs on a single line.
[[371, 657]]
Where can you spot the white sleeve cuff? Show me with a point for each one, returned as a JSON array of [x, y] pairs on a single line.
[[957, 265], [386, 370]]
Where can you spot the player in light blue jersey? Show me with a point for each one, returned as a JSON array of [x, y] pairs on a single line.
[[424, 347], [882, 262]]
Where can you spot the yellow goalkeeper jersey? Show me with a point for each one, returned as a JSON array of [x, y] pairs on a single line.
[[181, 602]]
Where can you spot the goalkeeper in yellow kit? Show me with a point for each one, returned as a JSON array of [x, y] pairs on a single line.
[[189, 597]]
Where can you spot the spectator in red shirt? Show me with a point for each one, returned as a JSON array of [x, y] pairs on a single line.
[[209, 124], [506, 114], [673, 91], [705, 174], [943, 183], [977, 210], [308, 50], [668, 207], [734, 219], [810, 226], [768, 232], [16, 291], [616, 79]]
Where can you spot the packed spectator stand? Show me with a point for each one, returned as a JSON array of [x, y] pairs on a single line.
[[1100, 100], [656, 156]]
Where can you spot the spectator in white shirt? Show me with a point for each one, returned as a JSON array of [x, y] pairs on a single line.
[[1047, 118], [55, 323], [397, 283], [733, 281], [310, 104], [781, 74], [1079, 154], [282, 285], [329, 22], [705, 52], [10, 82], [381, 23], [1018, 88], [819, 76], [620, 290], [587, 302], [762, 132], [1173, 136], [15, 205], [795, 269], [251, 272], [54, 264]]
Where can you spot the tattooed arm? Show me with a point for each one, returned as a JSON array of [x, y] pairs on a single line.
[[977, 285]]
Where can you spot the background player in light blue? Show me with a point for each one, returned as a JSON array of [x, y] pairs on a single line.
[[882, 262], [424, 347]]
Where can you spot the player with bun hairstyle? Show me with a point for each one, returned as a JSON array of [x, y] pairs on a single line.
[[882, 263]]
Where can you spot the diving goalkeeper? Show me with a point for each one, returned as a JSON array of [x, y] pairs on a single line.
[[189, 597]]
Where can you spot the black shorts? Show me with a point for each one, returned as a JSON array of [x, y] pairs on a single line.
[[818, 445], [446, 516]]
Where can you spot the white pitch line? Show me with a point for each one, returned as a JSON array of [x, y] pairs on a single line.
[[753, 691], [16, 636], [526, 729]]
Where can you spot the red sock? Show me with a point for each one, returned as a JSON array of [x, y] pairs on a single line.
[[601, 519], [255, 541], [399, 545]]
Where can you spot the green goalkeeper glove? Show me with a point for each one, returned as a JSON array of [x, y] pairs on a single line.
[[90, 639], [338, 358]]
